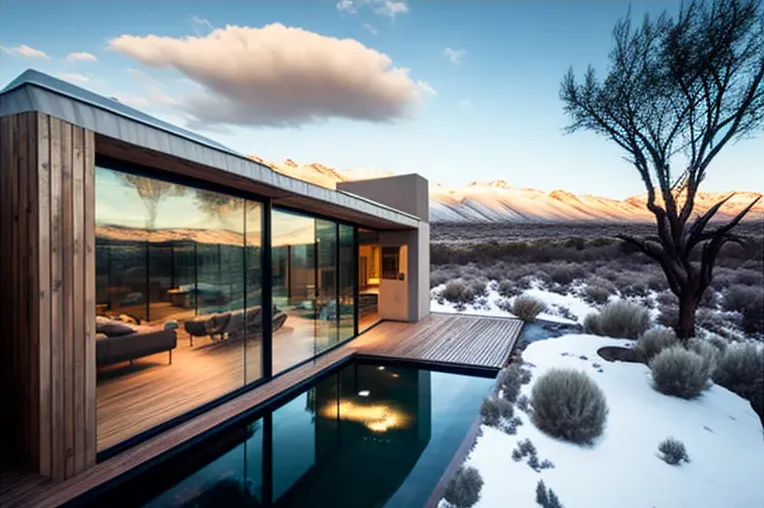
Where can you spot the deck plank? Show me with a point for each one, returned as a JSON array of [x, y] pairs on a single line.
[[440, 338]]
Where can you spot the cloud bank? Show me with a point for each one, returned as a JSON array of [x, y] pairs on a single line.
[[280, 76]]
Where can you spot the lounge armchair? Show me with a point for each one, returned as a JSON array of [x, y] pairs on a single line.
[[231, 325], [117, 341]]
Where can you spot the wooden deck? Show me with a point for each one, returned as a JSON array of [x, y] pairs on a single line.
[[444, 339], [456, 339]]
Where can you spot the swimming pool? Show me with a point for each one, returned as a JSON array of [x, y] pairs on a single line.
[[366, 435]]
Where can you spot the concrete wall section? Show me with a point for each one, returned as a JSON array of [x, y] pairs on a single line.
[[422, 287], [407, 193]]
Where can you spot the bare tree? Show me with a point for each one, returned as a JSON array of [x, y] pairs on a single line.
[[679, 88], [152, 191]]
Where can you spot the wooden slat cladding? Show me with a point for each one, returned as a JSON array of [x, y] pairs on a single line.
[[47, 269]]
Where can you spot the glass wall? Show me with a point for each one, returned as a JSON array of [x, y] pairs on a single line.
[[347, 277], [313, 280], [179, 281], [179, 278]]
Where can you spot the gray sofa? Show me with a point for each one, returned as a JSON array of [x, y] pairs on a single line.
[[117, 341]]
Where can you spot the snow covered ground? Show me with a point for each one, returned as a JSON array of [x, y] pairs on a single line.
[[489, 305], [722, 434]]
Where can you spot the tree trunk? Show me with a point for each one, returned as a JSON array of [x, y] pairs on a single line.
[[685, 327]]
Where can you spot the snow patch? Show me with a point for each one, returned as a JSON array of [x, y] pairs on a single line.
[[722, 434]]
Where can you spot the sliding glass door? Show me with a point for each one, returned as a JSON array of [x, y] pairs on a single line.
[[313, 286]]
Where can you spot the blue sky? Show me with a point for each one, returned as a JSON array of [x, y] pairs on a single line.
[[477, 101]]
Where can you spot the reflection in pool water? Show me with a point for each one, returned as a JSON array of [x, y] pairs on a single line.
[[361, 437]]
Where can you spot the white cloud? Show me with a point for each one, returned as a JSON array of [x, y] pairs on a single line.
[[455, 55], [82, 56], [73, 77], [391, 9], [371, 28], [280, 76], [24, 51], [387, 8], [465, 103], [200, 24], [347, 6]]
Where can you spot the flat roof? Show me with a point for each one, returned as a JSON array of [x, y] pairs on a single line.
[[126, 133]]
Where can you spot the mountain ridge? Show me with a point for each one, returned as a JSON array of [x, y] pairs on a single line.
[[499, 201]]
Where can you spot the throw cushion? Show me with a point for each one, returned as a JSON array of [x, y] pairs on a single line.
[[112, 328]]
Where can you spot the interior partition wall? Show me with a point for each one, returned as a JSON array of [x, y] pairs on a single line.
[[187, 279]]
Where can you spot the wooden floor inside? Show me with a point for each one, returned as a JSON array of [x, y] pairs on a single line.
[[445, 339]]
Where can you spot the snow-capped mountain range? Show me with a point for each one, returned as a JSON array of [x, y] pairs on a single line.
[[498, 201]]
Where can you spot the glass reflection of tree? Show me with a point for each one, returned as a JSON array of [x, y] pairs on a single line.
[[217, 205], [151, 192]]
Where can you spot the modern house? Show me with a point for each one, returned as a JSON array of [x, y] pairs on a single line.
[[149, 273]]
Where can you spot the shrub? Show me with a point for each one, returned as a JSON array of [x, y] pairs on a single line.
[[508, 289], [749, 302], [463, 491], [596, 294], [679, 372], [463, 292], [740, 369], [749, 277], [667, 298], [706, 350], [524, 403], [708, 299], [673, 452], [592, 324], [655, 340], [494, 409], [635, 289], [456, 291], [715, 340], [566, 273], [568, 404], [657, 282], [546, 498], [668, 316], [511, 380], [737, 298], [621, 319], [527, 307], [440, 276]]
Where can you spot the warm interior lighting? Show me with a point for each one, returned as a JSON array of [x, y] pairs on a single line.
[[376, 417], [395, 375]]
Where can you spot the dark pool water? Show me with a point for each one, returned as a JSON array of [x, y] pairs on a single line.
[[365, 436], [541, 330]]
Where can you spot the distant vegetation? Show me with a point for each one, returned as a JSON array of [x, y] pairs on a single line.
[[586, 259]]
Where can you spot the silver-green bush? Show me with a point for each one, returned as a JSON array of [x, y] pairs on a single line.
[[568, 404], [494, 409], [592, 324], [527, 307], [740, 369], [463, 491], [706, 350], [673, 452], [679, 372], [624, 320], [655, 340]]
